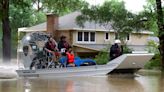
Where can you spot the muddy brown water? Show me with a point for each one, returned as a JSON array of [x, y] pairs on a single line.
[[142, 82]]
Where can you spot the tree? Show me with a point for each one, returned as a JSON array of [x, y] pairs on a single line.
[[160, 23], [60, 7], [150, 13], [25, 15], [6, 40], [112, 15], [22, 16], [4, 17]]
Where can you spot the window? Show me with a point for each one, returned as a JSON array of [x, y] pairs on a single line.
[[86, 36], [128, 37], [92, 36], [80, 36], [106, 36]]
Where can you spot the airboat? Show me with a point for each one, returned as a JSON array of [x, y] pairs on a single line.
[[125, 63]]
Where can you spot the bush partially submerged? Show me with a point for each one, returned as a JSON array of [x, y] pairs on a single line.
[[126, 49], [154, 63], [102, 57]]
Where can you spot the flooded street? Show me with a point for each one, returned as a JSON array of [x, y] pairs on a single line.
[[113, 83]]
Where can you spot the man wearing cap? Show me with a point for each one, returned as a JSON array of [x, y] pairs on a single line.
[[63, 45], [51, 48], [116, 50]]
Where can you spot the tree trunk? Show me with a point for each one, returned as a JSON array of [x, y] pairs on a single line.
[[160, 23], [6, 40]]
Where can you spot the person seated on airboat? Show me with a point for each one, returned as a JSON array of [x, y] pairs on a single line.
[[52, 51], [49, 56], [67, 60], [63, 45]]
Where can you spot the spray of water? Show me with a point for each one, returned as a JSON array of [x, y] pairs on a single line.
[[8, 70]]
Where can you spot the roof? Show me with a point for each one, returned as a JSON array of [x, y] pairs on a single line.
[[39, 27], [68, 22], [99, 47]]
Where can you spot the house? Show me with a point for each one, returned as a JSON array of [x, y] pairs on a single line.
[[91, 38]]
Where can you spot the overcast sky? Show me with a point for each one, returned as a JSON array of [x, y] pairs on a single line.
[[132, 5]]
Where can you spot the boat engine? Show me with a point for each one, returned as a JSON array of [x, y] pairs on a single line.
[[32, 45]]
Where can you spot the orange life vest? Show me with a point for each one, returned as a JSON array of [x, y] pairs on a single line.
[[70, 57]]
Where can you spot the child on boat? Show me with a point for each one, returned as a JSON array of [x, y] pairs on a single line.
[[70, 57]]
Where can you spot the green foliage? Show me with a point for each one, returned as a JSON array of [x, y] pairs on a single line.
[[152, 47], [154, 63], [151, 15], [22, 16], [153, 11], [0, 35], [112, 14], [60, 7], [126, 49], [102, 57]]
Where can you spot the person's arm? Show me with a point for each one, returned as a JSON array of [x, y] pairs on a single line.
[[69, 45], [56, 45], [48, 50], [56, 49]]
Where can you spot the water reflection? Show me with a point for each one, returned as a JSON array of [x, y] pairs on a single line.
[[125, 85], [85, 84]]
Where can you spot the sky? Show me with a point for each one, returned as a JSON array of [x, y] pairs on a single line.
[[131, 5]]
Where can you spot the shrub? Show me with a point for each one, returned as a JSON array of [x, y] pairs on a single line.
[[154, 63], [126, 49], [152, 47], [102, 57]]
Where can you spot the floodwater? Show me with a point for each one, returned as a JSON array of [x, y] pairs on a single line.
[[141, 82]]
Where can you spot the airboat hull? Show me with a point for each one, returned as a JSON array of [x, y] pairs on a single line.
[[66, 72], [126, 61]]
